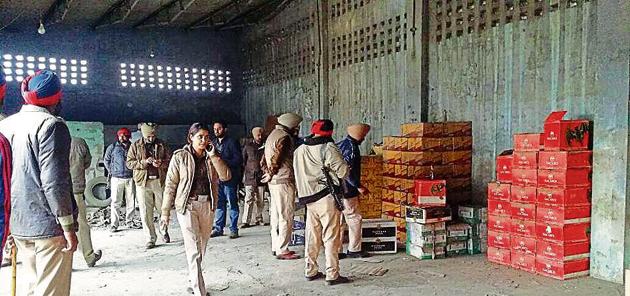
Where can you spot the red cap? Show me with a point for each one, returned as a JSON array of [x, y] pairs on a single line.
[[124, 131], [322, 127]]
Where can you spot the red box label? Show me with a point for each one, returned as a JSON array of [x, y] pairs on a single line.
[[561, 251], [525, 177], [565, 134], [523, 211], [564, 178], [524, 228], [523, 194], [528, 142], [504, 168], [562, 160], [561, 196], [562, 270], [525, 159], [499, 191], [499, 239], [498, 255], [522, 244], [578, 232], [499, 223], [563, 215], [499, 208], [526, 262]]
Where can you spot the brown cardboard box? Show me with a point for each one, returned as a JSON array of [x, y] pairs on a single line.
[[459, 184], [422, 158], [446, 144], [423, 129], [387, 195], [462, 143], [424, 144], [457, 157], [389, 170], [393, 157], [457, 129], [401, 171], [461, 170]]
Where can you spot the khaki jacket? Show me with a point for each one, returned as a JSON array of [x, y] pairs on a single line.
[[278, 156], [308, 167], [180, 177], [136, 161], [80, 160]]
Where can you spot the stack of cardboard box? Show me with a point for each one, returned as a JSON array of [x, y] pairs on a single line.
[[476, 218], [370, 205], [426, 231], [541, 221], [425, 151]]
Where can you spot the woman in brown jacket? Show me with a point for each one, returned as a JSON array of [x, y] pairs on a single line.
[[192, 185]]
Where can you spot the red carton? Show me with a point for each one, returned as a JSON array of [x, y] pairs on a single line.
[[562, 270], [578, 232], [562, 196], [499, 223], [563, 215], [525, 160], [498, 239], [528, 142], [429, 193], [499, 208], [523, 211], [523, 194], [562, 160], [526, 262], [499, 255], [525, 177], [504, 167], [523, 228], [580, 177], [560, 251], [566, 134], [522, 244], [499, 191]]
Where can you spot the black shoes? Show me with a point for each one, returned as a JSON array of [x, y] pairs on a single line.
[[215, 233], [166, 238], [233, 235], [359, 254], [317, 276], [338, 280], [97, 256]]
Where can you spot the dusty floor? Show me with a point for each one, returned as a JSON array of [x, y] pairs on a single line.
[[245, 267]]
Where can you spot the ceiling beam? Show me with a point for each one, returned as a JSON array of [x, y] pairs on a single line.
[[56, 12], [166, 14], [207, 20], [234, 20], [275, 12], [117, 13]]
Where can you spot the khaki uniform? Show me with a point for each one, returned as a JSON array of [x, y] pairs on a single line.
[[122, 189], [254, 204], [278, 163], [353, 220], [47, 269], [322, 217], [148, 191], [80, 160]]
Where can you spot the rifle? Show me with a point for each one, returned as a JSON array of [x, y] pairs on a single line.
[[335, 191]]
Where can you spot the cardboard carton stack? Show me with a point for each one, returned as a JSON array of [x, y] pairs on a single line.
[[370, 204], [425, 151], [476, 218], [541, 221], [426, 231]]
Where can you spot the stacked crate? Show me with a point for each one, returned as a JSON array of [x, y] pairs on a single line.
[[541, 221], [476, 218], [425, 151], [426, 231], [370, 205]]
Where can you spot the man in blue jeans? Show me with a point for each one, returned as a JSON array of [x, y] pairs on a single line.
[[230, 152]]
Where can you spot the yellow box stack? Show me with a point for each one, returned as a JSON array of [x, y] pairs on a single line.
[[424, 151], [370, 205]]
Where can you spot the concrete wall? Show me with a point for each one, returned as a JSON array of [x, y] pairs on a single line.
[[104, 100], [505, 76]]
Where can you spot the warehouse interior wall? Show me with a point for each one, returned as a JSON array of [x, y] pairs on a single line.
[[503, 67], [105, 50]]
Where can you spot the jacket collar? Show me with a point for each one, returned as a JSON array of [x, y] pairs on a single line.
[[33, 108], [313, 141], [188, 148], [282, 127], [353, 140]]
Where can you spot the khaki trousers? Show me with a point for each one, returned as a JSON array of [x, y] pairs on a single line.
[[353, 219], [322, 227], [150, 198], [47, 269], [196, 225], [254, 204], [84, 234], [122, 188], [281, 208]]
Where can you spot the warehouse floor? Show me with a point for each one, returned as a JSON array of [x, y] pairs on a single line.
[[245, 267]]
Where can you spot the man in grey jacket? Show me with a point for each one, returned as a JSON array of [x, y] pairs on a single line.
[[43, 211]]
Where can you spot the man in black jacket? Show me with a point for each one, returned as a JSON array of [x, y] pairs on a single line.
[[254, 189]]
